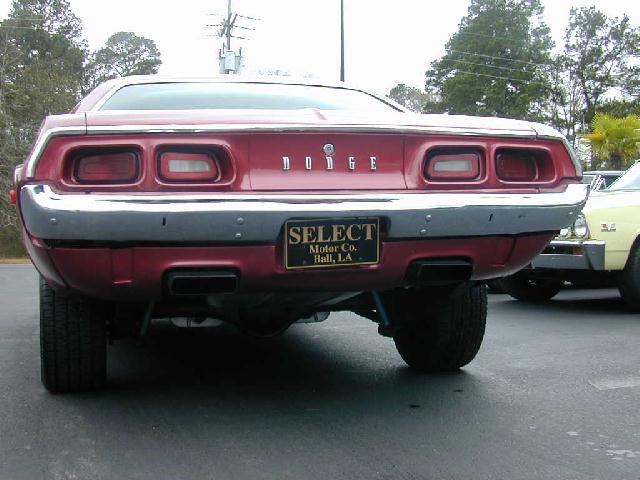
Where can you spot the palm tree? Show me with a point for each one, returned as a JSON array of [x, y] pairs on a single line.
[[615, 141]]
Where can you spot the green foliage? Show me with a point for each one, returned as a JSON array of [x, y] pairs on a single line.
[[600, 54], [411, 97], [43, 65], [124, 54], [615, 142], [496, 63], [621, 108]]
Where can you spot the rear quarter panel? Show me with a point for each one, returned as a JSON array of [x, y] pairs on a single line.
[[622, 209]]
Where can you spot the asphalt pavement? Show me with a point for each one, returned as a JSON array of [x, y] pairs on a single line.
[[553, 394]]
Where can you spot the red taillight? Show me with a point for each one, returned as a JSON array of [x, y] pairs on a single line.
[[13, 198], [516, 165], [114, 167], [453, 165], [188, 166]]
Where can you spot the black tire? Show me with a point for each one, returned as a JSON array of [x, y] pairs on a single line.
[[528, 289], [443, 337], [73, 347], [629, 279]]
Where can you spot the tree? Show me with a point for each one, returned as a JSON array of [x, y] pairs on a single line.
[[565, 105], [411, 97], [615, 141], [124, 53], [497, 63], [600, 53], [41, 63], [620, 107]]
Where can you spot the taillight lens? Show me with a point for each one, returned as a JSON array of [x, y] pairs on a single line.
[[453, 165], [516, 165], [188, 166], [107, 167]]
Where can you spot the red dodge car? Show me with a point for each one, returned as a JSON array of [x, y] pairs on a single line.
[[262, 203]]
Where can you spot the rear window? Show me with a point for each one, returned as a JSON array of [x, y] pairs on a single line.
[[193, 96]]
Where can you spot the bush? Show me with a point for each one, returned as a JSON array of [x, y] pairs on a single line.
[[10, 245]]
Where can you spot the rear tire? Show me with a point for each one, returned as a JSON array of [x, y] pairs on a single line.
[[629, 280], [73, 347], [442, 337], [527, 289]]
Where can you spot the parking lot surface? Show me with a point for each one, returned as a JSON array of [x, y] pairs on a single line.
[[553, 394]]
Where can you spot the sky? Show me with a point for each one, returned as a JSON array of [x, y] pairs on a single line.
[[386, 42]]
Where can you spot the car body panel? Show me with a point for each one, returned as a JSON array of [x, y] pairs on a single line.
[[614, 217], [117, 241]]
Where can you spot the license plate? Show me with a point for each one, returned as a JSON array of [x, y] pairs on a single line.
[[331, 242]]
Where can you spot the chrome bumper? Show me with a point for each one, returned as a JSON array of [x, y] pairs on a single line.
[[572, 255], [260, 217]]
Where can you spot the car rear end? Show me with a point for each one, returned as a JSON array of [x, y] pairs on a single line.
[[284, 211]]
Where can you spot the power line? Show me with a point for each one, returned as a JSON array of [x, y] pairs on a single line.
[[230, 60], [501, 58], [501, 78], [20, 28], [489, 66], [485, 35]]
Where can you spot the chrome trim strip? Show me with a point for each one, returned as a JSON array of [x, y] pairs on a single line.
[[569, 148], [237, 218], [591, 258], [41, 143], [303, 127]]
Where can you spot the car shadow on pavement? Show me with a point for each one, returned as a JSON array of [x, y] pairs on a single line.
[[305, 366], [578, 302]]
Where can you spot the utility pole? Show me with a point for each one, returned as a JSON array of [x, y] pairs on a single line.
[[341, 40], [230, 61]]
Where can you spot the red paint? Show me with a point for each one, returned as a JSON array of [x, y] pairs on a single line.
[[417, 147], [13, 198], [253, 162], [234, 166], [136, 273], [309, 167]]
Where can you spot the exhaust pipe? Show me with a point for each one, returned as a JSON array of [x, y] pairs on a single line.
[[201, 282], [439, 271]]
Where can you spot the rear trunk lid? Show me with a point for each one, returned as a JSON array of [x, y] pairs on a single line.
[[309, 149]]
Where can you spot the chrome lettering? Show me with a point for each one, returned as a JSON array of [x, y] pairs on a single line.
[[329, 163], [308, 163], [374, 163], [286, 163], [352, 163]]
